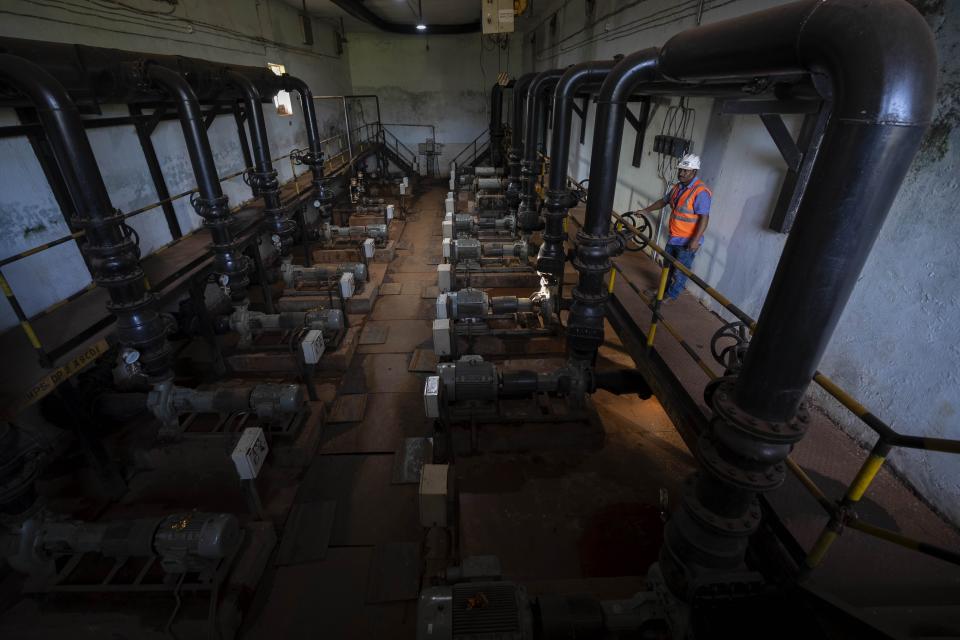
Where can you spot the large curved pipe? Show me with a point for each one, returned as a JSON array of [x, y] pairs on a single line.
[[595, 245], [877, 122], [528, 218], [512, 193], [314, 157], [263, 179], [229, 263], [114, 257], [551, 258]]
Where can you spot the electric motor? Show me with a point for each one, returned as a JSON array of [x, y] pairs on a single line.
[[291, 273], [462, 249], [464, 223], [468, 303], [485, 172], [489, 184], [469, 378], [183, 542]]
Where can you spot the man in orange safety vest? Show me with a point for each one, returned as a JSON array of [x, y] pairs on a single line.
[[689, 202]]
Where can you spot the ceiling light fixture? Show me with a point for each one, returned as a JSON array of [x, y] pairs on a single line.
[[421, 25]]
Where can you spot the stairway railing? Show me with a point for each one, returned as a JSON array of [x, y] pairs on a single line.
[[474, 149]]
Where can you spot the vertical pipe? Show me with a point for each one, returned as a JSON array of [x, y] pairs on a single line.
[[263, 180], [551, 257], [528, 218], [595, 244], [512, 193], [230, 265], [113, 256]]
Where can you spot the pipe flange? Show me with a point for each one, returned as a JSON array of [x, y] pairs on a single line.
[[771, 431], [766, 480], [115, 218], [741, 526], [208, 208]]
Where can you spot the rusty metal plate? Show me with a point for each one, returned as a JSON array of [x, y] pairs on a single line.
[[391, 288], [423, 361], [306, 534], [374, 333], [409, 461], [348, 408], [394, 572], [430, 291]]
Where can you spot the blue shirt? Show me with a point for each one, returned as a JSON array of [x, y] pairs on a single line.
[[701, 206]]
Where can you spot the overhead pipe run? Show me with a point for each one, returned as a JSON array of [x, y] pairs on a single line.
[[551, 257], [528, 218], [114, 257], [230, 265], [263, 178], [512, 194], [96, 75]]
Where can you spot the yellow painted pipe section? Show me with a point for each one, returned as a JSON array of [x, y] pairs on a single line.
[[820, 547], [871, 466], [661, 289]]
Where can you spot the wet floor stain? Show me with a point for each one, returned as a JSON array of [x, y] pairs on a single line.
[[621, 539]]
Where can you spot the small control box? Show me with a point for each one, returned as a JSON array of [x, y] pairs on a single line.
[[312, 346], [250, 453], [347, 285]]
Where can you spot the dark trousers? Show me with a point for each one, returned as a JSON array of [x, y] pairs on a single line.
[[678, 280]]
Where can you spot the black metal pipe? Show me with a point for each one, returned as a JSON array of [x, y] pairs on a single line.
[[263, 179], [230, 265], [95, 75], [512, 193], [551, 256], [877, 122], [876, 125], [528, 218], [496, 123], [114, 257], [314, 156], [595, 245]]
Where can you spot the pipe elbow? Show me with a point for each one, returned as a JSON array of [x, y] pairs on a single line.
[[880, 57]]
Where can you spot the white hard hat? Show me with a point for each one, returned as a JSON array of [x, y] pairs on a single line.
[[689, 161]]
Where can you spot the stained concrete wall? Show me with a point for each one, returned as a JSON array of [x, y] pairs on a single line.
[[247, 32], [897, 347], [443, 81]]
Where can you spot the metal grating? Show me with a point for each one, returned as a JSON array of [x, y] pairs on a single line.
[[485, 607]]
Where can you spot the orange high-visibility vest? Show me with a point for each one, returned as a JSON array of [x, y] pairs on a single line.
[[683, 221]]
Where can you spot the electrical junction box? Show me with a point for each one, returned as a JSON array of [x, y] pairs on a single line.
[[443, 337], [436, 487], [448, 228], [390, 210], [442, 306], [403, 189], [250, 453], [497, 16], [369, 248], [431, 397], [347, 285], [446, 246], [449, 204], [313, 346], [444, 277]]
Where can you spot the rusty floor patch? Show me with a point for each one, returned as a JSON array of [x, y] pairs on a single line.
[[374, 334], [390, 288], [306, 535], [423, 361], [430, 291], [348, 408], [394, 572]]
